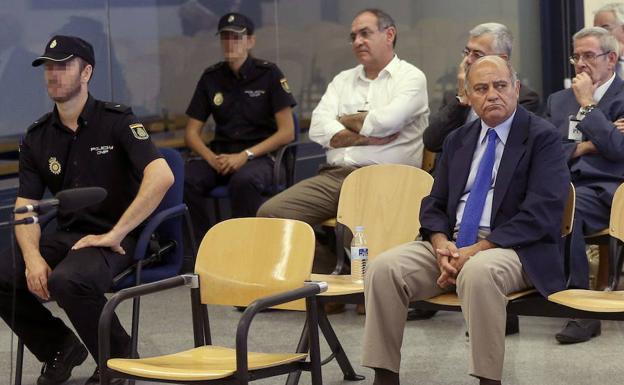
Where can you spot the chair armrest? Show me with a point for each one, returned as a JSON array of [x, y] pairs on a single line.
[[152, 224], [310, 289], [277, 167], [104, 325]]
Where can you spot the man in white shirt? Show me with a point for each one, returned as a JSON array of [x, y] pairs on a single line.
[[373, 113], [594, 148]]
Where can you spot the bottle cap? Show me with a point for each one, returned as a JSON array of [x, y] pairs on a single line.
[[359, 228]]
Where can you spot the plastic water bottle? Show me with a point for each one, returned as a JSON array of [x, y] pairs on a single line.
[[359, 255]]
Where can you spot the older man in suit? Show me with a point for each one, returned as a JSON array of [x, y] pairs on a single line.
[[594, 149], [490, 227]]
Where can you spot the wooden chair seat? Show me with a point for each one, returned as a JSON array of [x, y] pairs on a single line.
[[338, 284], [199, 364], [590, 300], [329, 223], [601, 233], [451, 299]]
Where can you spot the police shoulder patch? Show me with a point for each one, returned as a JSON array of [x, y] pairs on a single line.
[[139, 131], [39, 122], [285, 85], [117, 107]]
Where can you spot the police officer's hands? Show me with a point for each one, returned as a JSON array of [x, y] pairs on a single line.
[[37, 273], [231, 162], [619, 124], [110, 240], [214, 163]]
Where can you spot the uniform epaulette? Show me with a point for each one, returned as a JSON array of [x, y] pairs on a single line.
[[263, 63], [215, 66], [112, 106], [39, 122]]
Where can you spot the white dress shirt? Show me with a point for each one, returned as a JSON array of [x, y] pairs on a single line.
[[502, 132], [396, 101]]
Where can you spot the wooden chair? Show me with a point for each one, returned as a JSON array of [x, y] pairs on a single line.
[[385, 199], [609, 301], [252, 262]]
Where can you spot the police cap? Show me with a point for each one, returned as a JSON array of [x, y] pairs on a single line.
[[63, 48]]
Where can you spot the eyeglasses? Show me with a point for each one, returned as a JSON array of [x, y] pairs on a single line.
[[588, 57], [472, 52], [364, 33]]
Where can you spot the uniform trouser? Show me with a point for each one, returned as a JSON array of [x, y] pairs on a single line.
[[409, 272], [590, 215], [77, 283], [313, 200], [246, 187]]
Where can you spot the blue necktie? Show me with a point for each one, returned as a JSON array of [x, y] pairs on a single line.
[[469, 227]]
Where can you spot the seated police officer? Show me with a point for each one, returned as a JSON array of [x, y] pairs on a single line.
[[82, 142], [252, 105]]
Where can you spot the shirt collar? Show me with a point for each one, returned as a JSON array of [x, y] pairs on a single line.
[[245, 70], [87, 113], [600, 91], [391, 68], [502, 130]]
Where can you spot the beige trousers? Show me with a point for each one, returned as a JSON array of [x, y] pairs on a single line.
[[313, 200], [409, 272]]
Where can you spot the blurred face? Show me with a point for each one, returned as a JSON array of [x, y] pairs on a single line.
[[370, 45], [64, 80], [592, 60], [480, 46], [491, 92], [236, 46], [607, 20]]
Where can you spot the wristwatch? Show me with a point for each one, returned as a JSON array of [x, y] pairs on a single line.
[[587, 109], [250, 154]]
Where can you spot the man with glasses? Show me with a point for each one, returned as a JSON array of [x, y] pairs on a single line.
[[485, 39], [251, 103], [373, 113], [611, 18], [594, 149]]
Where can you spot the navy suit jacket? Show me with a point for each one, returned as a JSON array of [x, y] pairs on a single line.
[[603, 171], [530, 192]]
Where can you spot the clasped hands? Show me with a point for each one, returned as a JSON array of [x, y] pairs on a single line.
[[226, 164]]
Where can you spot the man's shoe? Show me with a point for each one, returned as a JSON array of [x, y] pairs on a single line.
[[578, 330], [420, 314], [58, 369], [95, 379]]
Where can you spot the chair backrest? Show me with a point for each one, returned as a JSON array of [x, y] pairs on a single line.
[[616, 222], [242, 259], [568, 213], [170, 229], [385, 199]]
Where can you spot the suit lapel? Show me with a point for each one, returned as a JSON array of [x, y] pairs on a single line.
[[612, 91], [458, 172], [514, 150]]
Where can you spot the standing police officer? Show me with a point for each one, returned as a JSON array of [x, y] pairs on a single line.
[[252, 105], [82, 142]]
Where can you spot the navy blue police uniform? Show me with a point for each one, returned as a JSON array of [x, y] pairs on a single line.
[[110, 149], [243, 108]]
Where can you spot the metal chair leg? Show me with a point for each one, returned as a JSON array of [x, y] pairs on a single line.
[[302, 347], [336, 348], [19, 362]]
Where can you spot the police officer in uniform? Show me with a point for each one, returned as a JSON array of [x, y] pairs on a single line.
[[82, 142], [252, 105]]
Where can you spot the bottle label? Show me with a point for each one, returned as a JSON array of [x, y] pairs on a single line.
[[359, 252]]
